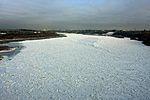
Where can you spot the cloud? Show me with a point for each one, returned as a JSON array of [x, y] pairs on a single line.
[[59, 14]]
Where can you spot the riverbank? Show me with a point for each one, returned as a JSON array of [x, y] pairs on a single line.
[[16, 36], [139, 35], [3, 49], [143, 36]]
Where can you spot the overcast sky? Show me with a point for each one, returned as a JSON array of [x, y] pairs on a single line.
[[75, 14]]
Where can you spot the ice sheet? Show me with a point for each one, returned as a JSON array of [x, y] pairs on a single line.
[[77, 67]]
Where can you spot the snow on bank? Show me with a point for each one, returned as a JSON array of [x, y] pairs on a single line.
[[3, 51], [110, 33], [77, 67]]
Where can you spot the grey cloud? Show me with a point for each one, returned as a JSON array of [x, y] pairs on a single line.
[[66, 14]]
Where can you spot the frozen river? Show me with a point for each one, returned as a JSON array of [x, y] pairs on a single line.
[[77, 67]]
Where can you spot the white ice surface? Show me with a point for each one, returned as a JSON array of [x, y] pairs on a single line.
[[77, 67]]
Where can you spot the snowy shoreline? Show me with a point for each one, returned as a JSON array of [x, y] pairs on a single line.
[[4, 51]]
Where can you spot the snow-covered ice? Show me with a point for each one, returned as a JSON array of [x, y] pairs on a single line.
[[77, 67]]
